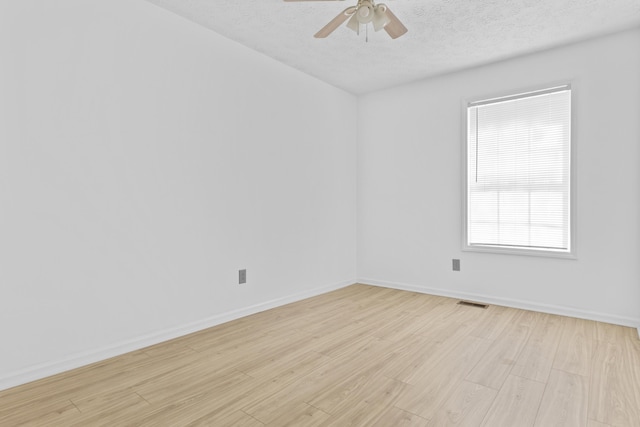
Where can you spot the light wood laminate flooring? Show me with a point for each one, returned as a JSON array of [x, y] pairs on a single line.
[[359, 356]]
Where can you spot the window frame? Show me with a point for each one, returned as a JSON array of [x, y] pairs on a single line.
[[573, 185]]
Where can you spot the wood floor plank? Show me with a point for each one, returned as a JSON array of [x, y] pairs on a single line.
[[565, 401], [45, 402], [495, 366], [593, 423], [537, 356], [449, 312], [405, 353], [272, 392], [301, 389], [398, 418], [366, 385], [113, 380], [371, 408], [444, 376], [289, 366], [466, 406], [258, 356], [235, 419], [185, 382], [632, 363], [613, 398], [400, 328], [61, 413], [363, 356], [494, 320], [110, 373], [110, 409], [105, 402], [613, 334], [183, 413], [341, 341], [516, 404], [300, 414], [438, 344], [576, 347]]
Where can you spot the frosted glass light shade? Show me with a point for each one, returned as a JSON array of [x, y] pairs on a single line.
[[353, 23], [365, 13], [380, 18]]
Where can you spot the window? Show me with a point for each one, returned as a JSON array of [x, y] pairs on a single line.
[[518, 180]]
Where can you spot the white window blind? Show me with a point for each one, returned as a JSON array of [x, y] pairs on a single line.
[[518, 171]]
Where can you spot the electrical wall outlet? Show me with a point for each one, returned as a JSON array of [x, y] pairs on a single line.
[[456, 265], [242, 276]]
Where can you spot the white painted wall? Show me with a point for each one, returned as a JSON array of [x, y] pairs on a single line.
[[409, 186], [143, 161]]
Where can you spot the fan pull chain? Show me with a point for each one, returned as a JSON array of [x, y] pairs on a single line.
[[366, 31]]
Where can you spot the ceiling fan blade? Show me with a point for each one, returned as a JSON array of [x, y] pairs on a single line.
[[395, 28], [313, 0], [335, 23]]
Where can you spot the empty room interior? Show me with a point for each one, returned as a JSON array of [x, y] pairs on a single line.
[[273, 213]]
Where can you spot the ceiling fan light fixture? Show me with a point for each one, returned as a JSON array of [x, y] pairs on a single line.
[[365, 12], [380, 18], [353, 23]]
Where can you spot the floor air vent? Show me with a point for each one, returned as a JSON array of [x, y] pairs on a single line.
[[473, 304]]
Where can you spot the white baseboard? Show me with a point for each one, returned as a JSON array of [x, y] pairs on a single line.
[[73, 361], [508, 302]]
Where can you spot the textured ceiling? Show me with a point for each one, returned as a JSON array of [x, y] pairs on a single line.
[[444, 35]]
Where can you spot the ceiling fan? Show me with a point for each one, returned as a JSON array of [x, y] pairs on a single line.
[[365, 12]]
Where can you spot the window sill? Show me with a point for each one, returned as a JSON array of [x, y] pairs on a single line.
[[519, 252]]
